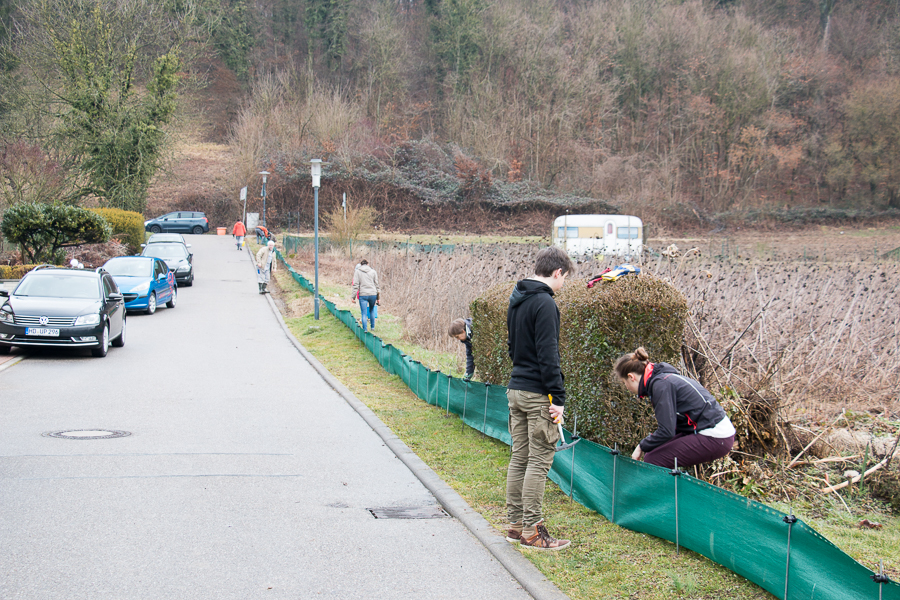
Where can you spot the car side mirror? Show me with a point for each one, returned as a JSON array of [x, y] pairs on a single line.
[[143, 245], [116, 296], [188, 245], [4, 293]]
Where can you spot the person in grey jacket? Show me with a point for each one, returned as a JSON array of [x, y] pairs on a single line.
[[365, 285], [692, 426], [265, 266]]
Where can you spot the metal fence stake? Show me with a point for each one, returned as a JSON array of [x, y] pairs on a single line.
[[484, 422], [572, 469], [465, 400], [880, 578], [615, 453], [449, 377], [790, 520], [417, 379], [676, 473]]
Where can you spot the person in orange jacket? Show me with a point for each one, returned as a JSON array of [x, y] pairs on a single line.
[[239, 231]]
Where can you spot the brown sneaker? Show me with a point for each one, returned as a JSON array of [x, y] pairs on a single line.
[[514, 533], [541, 540]]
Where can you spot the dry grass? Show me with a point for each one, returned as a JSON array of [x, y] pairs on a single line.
[[817, 336]]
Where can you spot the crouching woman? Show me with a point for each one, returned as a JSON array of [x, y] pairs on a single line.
[[692, 426]]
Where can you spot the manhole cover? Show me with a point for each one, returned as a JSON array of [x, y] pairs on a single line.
[[409, 512], [87, 434]]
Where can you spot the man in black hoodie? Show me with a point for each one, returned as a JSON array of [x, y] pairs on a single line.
[[532, 323]]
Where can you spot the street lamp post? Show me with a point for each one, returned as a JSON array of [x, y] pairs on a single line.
[[315, 165], [265, 175]]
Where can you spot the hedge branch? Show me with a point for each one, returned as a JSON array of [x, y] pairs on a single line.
[[815, 439], [838, 486]]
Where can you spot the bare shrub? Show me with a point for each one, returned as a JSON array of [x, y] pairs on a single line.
[[95, 255], [782, 338], [344, 227]]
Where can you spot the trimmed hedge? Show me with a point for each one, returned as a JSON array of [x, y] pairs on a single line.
[[127, 226], [597, 326], [14, 271]]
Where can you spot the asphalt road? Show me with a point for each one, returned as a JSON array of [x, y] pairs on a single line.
[[245, 475]]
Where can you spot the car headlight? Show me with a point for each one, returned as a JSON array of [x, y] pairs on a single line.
[[7, 317], [88, 319], [141, 288], [185, 268]]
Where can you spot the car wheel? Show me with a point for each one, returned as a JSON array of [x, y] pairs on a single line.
[[5, 349], [155, 229], [197, 230], [173, 299], [120, 340], [151, 303], [104, 344]]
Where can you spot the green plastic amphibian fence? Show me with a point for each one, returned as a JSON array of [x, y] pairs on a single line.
[[778, 552]]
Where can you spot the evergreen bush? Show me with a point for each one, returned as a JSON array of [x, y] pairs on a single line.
[[43, 230], [597, 325], [127, 226], [15, 271]]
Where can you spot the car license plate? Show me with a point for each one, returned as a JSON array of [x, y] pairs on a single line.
[[42, 331]]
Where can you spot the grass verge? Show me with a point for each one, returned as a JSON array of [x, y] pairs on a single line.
[[605, 561]]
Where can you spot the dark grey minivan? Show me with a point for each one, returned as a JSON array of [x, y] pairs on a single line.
[[182, 221]]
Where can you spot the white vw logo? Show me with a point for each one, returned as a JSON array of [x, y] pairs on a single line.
[[44, 320]]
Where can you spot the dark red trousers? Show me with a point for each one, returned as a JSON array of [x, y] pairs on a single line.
[[690, 449]]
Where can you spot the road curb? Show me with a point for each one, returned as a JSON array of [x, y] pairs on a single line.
[[522, 570], [12, 361]]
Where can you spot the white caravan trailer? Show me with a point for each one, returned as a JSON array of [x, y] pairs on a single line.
[[585, 235]]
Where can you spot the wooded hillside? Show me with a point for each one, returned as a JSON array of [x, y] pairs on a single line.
[[678, 110]]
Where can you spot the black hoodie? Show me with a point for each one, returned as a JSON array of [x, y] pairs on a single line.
[[532, 323], [682, 405]]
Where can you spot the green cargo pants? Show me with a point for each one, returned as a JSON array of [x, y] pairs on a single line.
[[534, 436]]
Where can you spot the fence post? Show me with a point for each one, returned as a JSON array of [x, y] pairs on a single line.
[[677, 474], [487, 386], [465, 400], [615, 455], [880, 578], [417, 379], [790, 520], [449, 377], [572, 469]]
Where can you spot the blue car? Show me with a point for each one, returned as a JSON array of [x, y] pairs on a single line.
[[145, 281]]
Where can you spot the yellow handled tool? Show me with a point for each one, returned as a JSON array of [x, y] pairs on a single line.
[[562, 446]]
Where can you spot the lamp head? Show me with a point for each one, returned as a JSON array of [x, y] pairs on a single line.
[[315, 168], [265, 175]]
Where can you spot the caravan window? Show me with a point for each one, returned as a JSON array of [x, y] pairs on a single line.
[[609, 229], [569, 232], [628, 233]]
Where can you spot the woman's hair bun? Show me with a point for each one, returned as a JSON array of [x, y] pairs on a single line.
[[641, 354]]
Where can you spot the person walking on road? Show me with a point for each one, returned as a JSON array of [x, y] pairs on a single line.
[[365, 286], [265, 265], [239, 231], [536, 396]]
